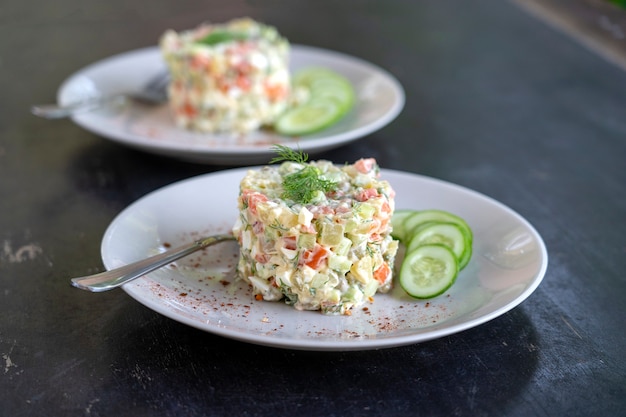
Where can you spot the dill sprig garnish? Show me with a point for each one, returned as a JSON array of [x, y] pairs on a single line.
[[286, 154], [301, 186]]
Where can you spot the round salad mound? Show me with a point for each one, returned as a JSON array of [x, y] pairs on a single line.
[[331, 251], [230, 77]]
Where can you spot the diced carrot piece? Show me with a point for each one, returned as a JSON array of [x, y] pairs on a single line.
[[365, 165], [243, 82], [252, 199], [188, 109], [382, 273], [314, 258], [366, 194], [200, 62], [275, 92]]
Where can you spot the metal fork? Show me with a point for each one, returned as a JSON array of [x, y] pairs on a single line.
[[153, 92], [113, 278]]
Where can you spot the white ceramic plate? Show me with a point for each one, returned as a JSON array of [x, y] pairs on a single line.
[[380, 98], [509, 262]]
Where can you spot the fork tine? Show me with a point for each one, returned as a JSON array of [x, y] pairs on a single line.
[[155, 90], [158, 82]]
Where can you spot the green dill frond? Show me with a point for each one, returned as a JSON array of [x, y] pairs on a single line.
[[303, 185], [290, 297], [286, 154], [277, 225]]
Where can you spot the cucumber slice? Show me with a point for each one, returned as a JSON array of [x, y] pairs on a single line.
[[428, 271], [334, 87], [305, 76], [310, 117], [467, 255], [421, 217], [397, 224], [447, 234], [331, 97]]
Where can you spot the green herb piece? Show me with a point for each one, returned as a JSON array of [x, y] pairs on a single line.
[[290, 297], [301, 186], [220, 36], [286, 154]]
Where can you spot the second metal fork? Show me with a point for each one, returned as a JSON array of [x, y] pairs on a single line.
[[153, 92]]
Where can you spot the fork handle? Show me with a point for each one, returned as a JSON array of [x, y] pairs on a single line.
[[108, 280], [56, 111]]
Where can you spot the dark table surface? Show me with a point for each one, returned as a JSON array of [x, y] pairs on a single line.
[[496, 100]]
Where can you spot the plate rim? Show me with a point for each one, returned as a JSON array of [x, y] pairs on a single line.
[[248, 152], [343, 344]]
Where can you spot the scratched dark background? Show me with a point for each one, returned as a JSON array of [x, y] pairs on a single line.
[[497, 100]]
